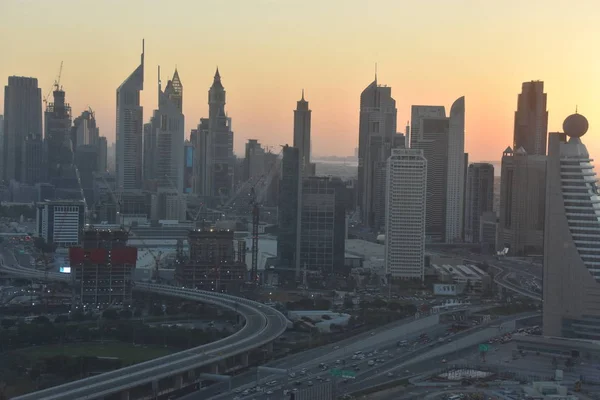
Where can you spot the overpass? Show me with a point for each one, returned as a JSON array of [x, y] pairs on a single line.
[[262, 325]]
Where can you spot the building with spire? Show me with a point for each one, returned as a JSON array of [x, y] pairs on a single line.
[[213, 141], [377, 131], [302, 122], [167, 136], [130, 116], [571, 279], [164, 137]]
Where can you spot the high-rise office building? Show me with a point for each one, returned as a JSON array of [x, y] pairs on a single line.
[[168, 128], [455, 186], [442, 140], [102, 155], [288, 208], [479, 198], [61, 223], [22, 120], [1, 144], [571, 280], [322, 226], [188, 167], [377, 127], [254, 162], [33, 168], [522, 202], [405, 214], [130, 116], [302, 122], [214, 145], [531, 119], [86, 132]]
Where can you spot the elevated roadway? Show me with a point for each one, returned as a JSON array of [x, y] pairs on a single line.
[[262, 325]]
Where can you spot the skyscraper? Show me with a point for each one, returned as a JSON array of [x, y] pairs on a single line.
[[522, 198], [1, 144], [214, 141], [287, 211], [168, 125], [429, 133], [405, 213], [22, 119], [571, 280], [130, 116], [442, 140], [377, 125], [102, 155], [86, 130], [456, 172], [322, 226], [254, 162], [531, 119], [479, 198], [57, 121], [302, 118]]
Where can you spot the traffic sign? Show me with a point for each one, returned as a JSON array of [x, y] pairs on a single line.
[[342, 373], [483, 347]]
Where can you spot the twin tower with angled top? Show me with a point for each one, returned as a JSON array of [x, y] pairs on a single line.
[[154, 156]]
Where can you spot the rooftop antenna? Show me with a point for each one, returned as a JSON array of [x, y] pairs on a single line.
[[375, 72], [143, 49], [576, 109]]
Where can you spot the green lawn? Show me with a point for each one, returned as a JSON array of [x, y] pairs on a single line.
[[128, 353]]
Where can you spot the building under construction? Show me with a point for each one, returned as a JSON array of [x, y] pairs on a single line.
[[103, 269], [216, 262]]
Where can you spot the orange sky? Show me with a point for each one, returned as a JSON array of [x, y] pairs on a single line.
[[429, 52]]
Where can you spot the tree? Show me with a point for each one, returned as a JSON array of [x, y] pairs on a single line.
[[8, 323], [137, 313], [110, 314], [41, 320], [77, 316], [61, 319], [125, 314], [348, 303]]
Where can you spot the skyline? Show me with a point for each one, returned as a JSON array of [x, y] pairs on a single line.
[[265, 63]]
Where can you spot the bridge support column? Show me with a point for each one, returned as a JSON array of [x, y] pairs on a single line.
[[191, 375], [214, 369], [125, 395], [154, 387], [178, 381], [244, 360], [269, 347]]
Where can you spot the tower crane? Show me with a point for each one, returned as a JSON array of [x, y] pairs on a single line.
[[56, 85], [255, 200]]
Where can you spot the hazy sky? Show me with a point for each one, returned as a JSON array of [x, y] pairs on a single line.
[[428, 51]]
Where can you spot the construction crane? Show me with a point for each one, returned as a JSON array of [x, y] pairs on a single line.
[[116, 200], [55, 86], [255, 200]]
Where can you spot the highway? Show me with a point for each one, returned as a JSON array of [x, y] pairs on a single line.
[[389, 362], [380, 345], [262, 325]]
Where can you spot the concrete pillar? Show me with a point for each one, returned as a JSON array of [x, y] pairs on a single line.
[[269, 347], [154, 387], [125, 395], [178, 381], [214, 369], [244, 360], [192, 375]]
